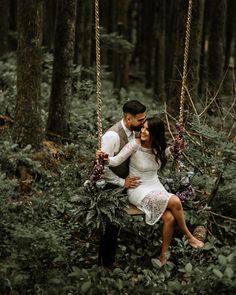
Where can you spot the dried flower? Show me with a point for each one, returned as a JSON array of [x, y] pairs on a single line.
[[186, 194], [178, 145], [95, 178]]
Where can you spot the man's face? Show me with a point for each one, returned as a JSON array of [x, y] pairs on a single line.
[[135, 122]]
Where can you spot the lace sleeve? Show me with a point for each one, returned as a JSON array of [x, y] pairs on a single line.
[[124, 154]]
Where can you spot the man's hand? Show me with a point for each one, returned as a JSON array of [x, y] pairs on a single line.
[[132, 182]]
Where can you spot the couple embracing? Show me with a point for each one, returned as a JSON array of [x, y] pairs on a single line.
[[133, 164]]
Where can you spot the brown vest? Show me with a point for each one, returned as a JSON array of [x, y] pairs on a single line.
[[123, 169]]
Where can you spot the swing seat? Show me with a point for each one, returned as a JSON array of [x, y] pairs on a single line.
[[132, 210]]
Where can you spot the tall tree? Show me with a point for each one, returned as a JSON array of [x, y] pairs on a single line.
[[148, 41], [27, 126], [59, 107], [195, 47], [120, 62], [216, 54], [159, 69], [4, 26], [49, 9], [229, 48], [180, 12], [86, 38]]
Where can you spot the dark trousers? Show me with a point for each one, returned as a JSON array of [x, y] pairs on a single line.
[[108, 245]]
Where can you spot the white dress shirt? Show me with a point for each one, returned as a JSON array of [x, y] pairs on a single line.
[[111, 146]]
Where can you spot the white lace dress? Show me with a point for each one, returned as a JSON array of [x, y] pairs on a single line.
[[150, 196]]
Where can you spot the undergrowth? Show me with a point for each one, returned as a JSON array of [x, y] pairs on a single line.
[[50, 224]]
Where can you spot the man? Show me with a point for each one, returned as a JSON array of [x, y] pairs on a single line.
[[112, 142]]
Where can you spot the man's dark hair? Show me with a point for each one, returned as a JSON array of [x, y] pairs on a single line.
[[134, 107]]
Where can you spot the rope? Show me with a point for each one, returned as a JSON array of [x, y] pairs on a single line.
[[98, 75], [179, 140], [186, 51]]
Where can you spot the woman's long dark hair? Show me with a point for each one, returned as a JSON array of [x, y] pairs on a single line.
[[158, 141]]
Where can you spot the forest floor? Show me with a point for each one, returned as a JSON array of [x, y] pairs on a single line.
[[50, 224]]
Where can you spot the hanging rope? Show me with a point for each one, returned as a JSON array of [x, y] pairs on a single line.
[[185, 65], [179, 142], [95, 180], [98, 75]]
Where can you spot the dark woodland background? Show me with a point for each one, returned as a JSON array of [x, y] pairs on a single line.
[[50, 224]]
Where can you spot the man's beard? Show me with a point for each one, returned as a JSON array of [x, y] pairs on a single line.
[[136, 128]]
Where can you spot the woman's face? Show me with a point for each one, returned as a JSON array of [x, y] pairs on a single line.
[[145, 135]]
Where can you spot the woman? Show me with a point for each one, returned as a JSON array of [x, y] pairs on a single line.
[[148, 155]]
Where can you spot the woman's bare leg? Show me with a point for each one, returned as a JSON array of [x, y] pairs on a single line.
[[174, 204], [167, 234]]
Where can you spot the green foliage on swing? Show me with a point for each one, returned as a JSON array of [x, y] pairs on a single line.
[[96, 207]]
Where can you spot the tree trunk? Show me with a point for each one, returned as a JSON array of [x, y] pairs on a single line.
[[78, 33], [49, 23], [149, 11], [86, 35], [229, 48], [159, 70], [195, 48], [171, 18], [178, 54], [120, 68], [203, 85], [59, 107], [216, 54], [27, 125], [4, 26]]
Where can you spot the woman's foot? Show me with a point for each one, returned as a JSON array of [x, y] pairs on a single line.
[[164, 258], [195, 243]]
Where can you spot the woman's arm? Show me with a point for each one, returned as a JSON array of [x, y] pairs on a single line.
[[125, 153]]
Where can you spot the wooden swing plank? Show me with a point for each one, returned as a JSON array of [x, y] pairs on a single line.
[[132, 210]]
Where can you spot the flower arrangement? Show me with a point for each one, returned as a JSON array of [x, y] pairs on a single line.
[[181, 186], [95, 179]]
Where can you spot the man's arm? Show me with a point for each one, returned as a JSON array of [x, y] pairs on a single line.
[[110, 145]]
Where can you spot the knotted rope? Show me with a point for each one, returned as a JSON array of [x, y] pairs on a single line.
[[98, 75], [185, 65], [179, 143]]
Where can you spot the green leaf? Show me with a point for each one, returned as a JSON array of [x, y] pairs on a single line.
[[229, 272], [188, 267], [156, 263], [218, 273], [222, 260], [174, 285], [27, 148], [54, 281], [85, 286]]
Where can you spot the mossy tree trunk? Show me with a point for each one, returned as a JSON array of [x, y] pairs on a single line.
[[27, 125], [59, 106]]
